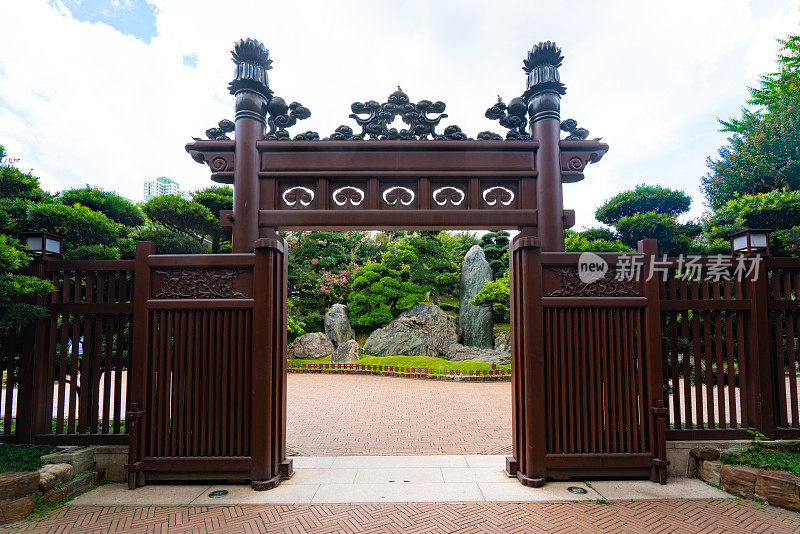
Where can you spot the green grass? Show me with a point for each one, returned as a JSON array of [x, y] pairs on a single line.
[[22, 457], [765, 458], [446, 301], [499, 328], [422, 362]]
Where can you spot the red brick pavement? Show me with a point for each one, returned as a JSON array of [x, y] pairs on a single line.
[[707, 516], [338, 415]]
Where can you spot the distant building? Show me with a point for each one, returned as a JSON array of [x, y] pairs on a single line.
[[163, 186]]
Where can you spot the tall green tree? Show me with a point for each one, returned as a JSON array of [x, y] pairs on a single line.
[[650, 212], [380, 294], [112, 205], [15, 184], [177, 214], [495, 248], [778, 210], [425, 260], [763, 152], [217, 199], [643, 199]]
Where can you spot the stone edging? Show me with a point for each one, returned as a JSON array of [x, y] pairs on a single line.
[[777, 488], [68, 473], [489, 375]]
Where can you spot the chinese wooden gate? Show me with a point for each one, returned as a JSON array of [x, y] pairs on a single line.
[[208, 384], [584, 384]]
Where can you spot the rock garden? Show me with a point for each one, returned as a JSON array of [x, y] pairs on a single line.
[[418, 307]]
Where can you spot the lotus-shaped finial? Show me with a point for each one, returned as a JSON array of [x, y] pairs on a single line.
[[251, 51], [546, 53]]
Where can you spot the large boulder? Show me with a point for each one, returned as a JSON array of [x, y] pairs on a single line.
[[308, 346], [422, 330], [458, 352], [337, 325], [475, 321], [503, 341], [346, 352]]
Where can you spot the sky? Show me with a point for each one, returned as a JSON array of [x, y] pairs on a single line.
[[108, 92]]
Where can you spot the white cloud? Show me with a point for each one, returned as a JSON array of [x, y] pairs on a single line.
[[85, 103]]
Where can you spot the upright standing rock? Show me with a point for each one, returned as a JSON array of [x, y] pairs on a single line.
[[475, 321], [337, 325]]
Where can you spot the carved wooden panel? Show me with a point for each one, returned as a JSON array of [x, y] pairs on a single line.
[[199, 283], [567, 283]]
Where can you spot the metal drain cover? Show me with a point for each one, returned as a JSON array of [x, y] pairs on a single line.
[[218, 493], [576, 489]]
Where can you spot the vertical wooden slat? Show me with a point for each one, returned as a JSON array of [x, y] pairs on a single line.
[[204, 396], [791, 356], [674, 351], [733, 418], [84, 394], [179, 384], [562, 381], [75, 333], [584, 389], [225, 372], [718, 350], [627, 365], [160, 392], [604, 366], [687, 362], [698, 367], [613, 374], [568, 385], [238, 385], [740, 357], [641, 384], [591, 357], [708, 360], [556, 390], [248, 381]]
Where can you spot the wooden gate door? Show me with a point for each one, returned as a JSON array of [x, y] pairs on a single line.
[[587, 369], [208, 380]]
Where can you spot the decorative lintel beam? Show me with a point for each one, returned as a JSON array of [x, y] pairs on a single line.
[[396, 219]]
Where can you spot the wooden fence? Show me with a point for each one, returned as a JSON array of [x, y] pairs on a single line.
[[730, 349], [65, 377]]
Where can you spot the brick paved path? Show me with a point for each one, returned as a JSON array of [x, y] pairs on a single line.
[[624, 516], [334, 415]]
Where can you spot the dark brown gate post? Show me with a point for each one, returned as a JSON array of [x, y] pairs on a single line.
[[137, 363], [761, 397], [251, 88], [268, 390], [653, 364], [528, 394], [544, 106]]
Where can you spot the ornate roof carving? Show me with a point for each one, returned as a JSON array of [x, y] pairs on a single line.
[[375, 120], [513, 116]]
